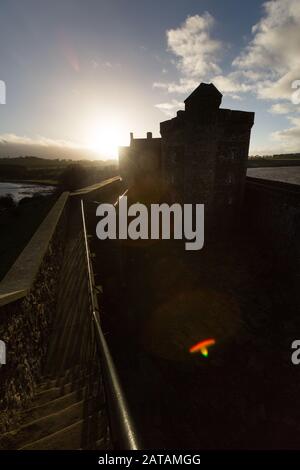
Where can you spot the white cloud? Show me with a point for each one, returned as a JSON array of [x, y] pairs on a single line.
[[39, 140], [184, 86], [15, 145], [266, 67], [283, 141], [289, 139], [280, 89], [197, 58], [273, 53], [282, 108], [275, 45], [231, 84], [170, 108], [273, 146], [193, 45]]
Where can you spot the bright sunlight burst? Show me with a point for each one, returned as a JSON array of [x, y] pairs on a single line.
[[106, 138]]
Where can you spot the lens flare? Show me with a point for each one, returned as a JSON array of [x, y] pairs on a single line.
[[202, 346]]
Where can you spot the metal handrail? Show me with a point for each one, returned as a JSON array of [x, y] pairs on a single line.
[[123, 430], [120, 197]]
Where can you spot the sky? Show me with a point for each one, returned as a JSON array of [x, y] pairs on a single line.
[[77, 76]]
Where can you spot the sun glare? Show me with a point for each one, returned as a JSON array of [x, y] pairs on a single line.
[[105, 139]]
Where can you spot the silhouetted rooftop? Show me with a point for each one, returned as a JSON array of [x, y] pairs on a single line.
[[204, 93]]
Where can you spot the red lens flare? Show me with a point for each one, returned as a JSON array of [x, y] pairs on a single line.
[[202, 346]]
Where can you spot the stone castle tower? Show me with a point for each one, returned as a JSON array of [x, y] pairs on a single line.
[[201, 156]]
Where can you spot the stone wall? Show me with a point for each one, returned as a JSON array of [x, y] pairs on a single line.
[[271, 212], [24, 326], [204, 160], [141, 160]]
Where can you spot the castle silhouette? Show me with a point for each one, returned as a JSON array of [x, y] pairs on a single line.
[[201, 156]]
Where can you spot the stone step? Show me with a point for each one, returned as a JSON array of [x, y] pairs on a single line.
[[53, 393], [58, 404], [60, 373], [80, 435], [49, 424], [63, 381]]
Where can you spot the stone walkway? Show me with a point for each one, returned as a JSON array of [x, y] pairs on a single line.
[[69, 409]]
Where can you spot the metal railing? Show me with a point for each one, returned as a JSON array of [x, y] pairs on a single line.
[[120, 197], [122, 428]]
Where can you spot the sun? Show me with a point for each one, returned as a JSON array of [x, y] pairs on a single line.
[[106, 138]]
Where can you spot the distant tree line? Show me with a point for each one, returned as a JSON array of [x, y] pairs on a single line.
[[77, 176], [66, 173], [279, 156]]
